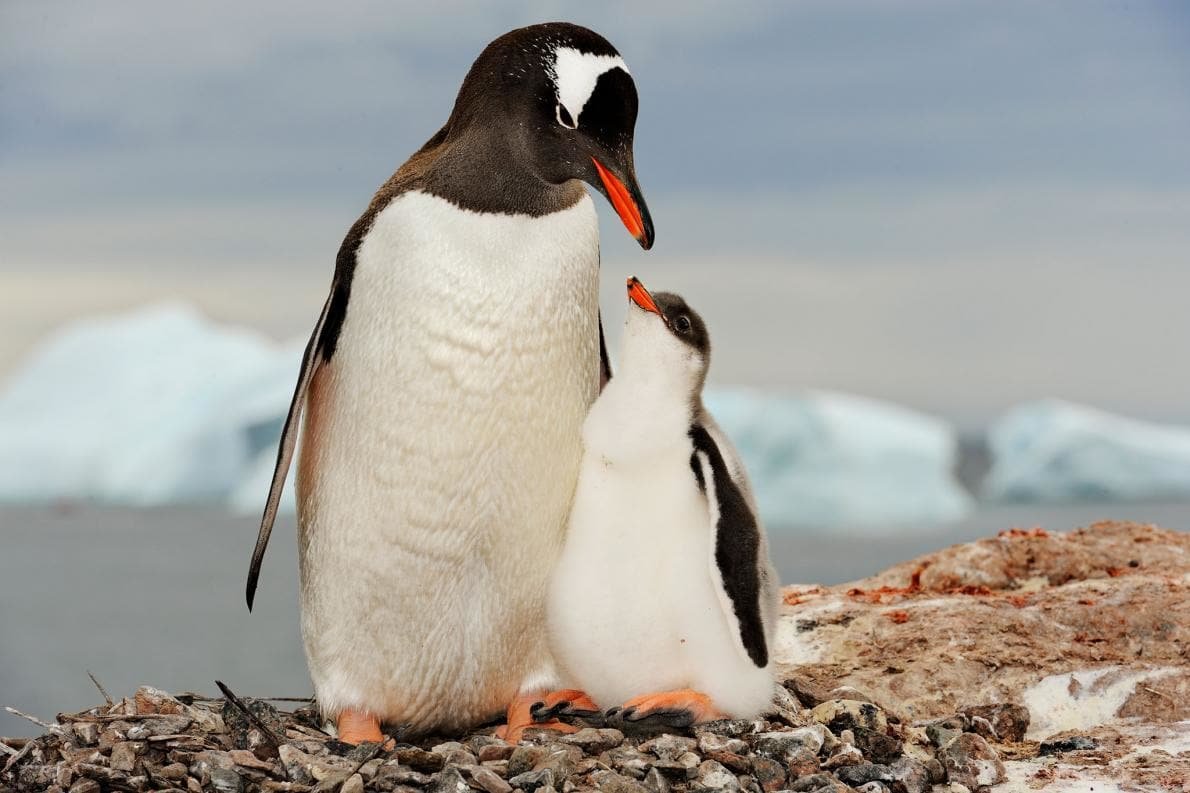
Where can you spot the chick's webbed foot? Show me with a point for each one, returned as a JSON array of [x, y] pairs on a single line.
[[666, 710]]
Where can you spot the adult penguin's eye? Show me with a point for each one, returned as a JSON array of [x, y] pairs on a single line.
[[682, 323], [564, 117]]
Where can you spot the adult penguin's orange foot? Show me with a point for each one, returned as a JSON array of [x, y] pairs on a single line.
[[359, 726], [520, 718], [570, 706], [665, 710]]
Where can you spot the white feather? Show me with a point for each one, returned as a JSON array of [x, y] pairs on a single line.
[[575, 75], [439, 454]]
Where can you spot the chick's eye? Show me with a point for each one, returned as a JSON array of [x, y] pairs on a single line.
[[682, 323], [564, 117]]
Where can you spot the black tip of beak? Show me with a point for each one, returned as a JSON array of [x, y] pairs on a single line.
[[646, 237]]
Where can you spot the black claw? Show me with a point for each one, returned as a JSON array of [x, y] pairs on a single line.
[[539, 712], [566, 713], [650, 722]]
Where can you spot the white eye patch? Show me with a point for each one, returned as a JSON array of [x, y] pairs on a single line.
[[575, 76]]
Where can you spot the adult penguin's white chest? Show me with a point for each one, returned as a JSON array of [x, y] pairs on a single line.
[[439, 455]]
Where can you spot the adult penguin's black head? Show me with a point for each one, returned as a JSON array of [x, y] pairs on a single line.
[[556, 102]]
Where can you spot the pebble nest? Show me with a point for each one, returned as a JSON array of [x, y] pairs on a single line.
[[810, 741]]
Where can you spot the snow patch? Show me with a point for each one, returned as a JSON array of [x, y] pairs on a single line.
[[1081, 700], [1020, 778]]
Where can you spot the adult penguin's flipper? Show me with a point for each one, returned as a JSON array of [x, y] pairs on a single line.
[[311, 359]]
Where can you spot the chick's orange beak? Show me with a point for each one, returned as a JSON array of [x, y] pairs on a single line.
[[638, 223], [639, 295]]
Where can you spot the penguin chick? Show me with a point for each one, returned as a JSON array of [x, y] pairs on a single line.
[[664, 601]]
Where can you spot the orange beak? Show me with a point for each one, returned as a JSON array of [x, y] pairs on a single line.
[[625, 205], [639, 295]]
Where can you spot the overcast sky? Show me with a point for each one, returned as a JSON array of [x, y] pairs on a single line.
[[957, 206]]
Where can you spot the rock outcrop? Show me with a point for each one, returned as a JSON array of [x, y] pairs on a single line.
[[1086, 632]]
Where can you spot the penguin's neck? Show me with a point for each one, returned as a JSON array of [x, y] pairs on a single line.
[[642, 414], [488, 169]]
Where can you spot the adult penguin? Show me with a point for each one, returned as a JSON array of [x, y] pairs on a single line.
[[443, 392]]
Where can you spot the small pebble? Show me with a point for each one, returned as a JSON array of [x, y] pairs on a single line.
[[713, 776], [529, 781], [489, 780], [224, 780], [1076, 743]]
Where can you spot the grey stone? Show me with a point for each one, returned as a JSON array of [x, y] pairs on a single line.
[[449, 780], [813, 783], [529, 781], [524, 758], [864, 773], [476, 743], [453, 752], [1075, 743], [780, 746], [732, 728], [878, 747], [87, 732], [354, 784], [770, 774], [627, 760], [942, 732], [710, 742], [489, 780], [845, 755], [390, 776], [1008, 722], [669, 747], [225, 780], [495, 751], [969, 761], [560, 759], [244, 731], [593, 741], [910, 776], [655, 782], [617, 783], [297, 764], [676, 771], [163, 725], [785, 708], [420, 760], [802, 762], [842, 714], [713, 776], [123, 757]]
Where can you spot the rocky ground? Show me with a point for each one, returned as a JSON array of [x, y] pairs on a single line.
[[1030, 661]]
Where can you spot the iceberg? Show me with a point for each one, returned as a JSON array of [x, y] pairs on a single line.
[[823, 460], [157, 406], [1056, 451]]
